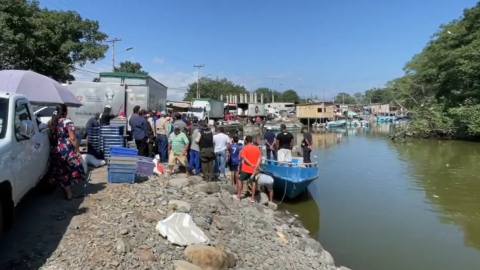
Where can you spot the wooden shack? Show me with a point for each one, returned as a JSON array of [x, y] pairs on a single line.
[[315, 112]]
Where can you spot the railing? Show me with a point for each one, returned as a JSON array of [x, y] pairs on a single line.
[[293, 163]]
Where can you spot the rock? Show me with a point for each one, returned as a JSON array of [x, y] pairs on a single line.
[[74, 224], [327, 258], [179, 182], [212, 204], [145, 255], [152, 216], [122, 246], [209, 258], [184, 265], [344, 268], [229, 188], [124, 231], [181, 206], [203, 188], [272, 206], [214, 187], [263, 199]]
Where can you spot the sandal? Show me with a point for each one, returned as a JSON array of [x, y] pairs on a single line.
[[235, 197]]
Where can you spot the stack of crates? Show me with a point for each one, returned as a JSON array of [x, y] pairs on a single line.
[[111, 136], [145, 166], [122, 165], [93, 142]]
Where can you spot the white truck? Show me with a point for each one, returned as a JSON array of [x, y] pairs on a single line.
[[24, 154], [207, 108]]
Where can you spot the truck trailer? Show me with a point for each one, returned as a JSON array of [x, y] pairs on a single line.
[[142, 90]]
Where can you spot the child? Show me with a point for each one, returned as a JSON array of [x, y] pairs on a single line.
[[234, 159]]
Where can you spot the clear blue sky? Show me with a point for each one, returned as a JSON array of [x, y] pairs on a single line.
[[332, 45]]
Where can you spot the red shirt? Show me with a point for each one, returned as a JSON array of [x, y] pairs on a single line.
[[253, 154]]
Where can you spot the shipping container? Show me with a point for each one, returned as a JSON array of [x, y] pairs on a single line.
[[94, 98], [142, 90]]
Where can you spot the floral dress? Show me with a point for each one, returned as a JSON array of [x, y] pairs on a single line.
[[66, 164]]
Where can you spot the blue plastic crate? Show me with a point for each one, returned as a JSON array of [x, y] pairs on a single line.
[[122, 166], [123, 151], [116, 177]]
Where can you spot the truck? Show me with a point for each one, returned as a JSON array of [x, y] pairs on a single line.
[[142, 90], [25, 152], [207, 108]]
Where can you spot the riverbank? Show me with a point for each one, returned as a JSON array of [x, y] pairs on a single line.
[[115, 229]]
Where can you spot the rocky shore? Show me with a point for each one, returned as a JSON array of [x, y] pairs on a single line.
[[117, 231]]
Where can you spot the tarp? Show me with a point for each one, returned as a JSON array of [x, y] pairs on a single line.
[[180, 229]]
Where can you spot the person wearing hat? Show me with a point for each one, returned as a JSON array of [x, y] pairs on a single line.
[[162, 132], [269, 138], [106, 116], [177, 146]]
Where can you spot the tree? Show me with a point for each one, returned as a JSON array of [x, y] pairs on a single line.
[[213, 88], [267, 94], [49, 42], [344, 98], [359, 98], [290, 95], [131, 67]]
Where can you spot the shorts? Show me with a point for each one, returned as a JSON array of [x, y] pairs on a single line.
[[265, 180], [243, 176], [234, 168], [173, 157], [284, 155]]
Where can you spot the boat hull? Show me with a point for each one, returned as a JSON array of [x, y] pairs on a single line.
[[291, 179]]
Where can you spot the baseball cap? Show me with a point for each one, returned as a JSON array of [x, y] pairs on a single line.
[[108, 106], [176, 127], [269, 128], [163, 113]]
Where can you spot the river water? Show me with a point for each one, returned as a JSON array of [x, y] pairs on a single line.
[[382, 205]]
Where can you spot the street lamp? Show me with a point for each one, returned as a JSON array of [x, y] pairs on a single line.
[[113, 55]]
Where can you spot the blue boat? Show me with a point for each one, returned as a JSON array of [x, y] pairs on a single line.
[[291, 178]]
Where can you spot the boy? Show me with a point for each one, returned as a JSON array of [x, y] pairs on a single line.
[[234, 157]]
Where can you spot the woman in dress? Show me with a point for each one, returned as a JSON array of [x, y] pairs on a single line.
[[66, 160]]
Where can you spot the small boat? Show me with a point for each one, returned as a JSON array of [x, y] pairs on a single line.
[[364, 123], [338, 123], [291, 178], [276, 127], [354, 123]]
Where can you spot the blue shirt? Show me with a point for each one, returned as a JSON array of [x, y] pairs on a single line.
[[235, 153], [270, 138], [139, 127]]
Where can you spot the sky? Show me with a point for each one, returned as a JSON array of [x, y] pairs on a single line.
[[317, 47]]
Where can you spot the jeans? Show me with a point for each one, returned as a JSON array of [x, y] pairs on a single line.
[[162, 148], [220, 160], [194, 161], [270, 152]]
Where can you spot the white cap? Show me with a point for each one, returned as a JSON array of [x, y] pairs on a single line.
[[108, 106], [269, 128]]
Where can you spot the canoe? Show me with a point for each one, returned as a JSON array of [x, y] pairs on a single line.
[[291, 178]]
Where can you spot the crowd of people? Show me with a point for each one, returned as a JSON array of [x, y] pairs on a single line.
[[194, 144]]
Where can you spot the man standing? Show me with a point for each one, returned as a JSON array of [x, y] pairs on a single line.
[[106, 116], [194, 148], [234, 157], [251, 157], [284, 144], [269, 138], [207, 154], [178, 146], [179, 122], [306, 145], [220, 141], [162, 131]]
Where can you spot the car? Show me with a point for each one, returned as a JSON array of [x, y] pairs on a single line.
[[24, 154]]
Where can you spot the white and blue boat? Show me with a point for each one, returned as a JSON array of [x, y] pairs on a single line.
[[338, 123], [291, 178]]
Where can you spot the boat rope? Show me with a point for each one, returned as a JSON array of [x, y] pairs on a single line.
[[284, 193]]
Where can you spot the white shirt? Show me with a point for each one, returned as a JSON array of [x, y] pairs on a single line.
[[220, 141]]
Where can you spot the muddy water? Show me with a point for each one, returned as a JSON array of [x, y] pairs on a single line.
[[383, 205]]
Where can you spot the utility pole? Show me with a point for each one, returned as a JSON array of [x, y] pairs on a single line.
[[198, 78], [113, 41]]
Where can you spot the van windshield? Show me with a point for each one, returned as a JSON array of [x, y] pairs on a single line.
[[3, 117]]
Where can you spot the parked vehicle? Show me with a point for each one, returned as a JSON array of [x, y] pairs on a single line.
[[207, 108], [142, 90], [25, 151]]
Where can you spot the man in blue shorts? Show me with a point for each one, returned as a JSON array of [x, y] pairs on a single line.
[[234, 159]]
